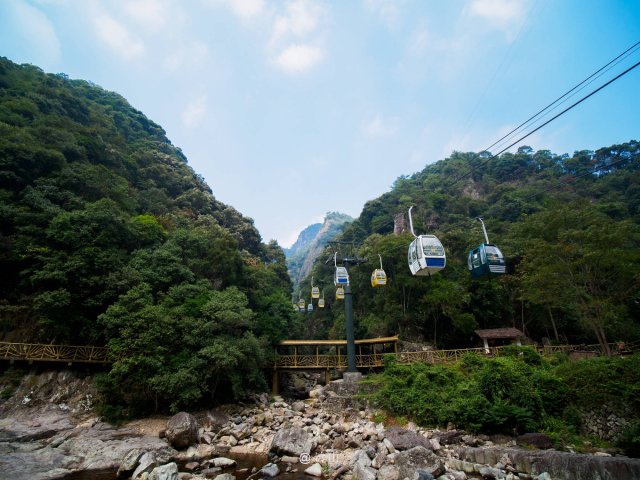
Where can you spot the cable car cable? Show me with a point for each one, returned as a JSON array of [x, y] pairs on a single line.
[[626, 52], [598, 73], [461, 177]]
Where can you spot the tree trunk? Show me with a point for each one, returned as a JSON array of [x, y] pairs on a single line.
[[553, 324], [605, 343]]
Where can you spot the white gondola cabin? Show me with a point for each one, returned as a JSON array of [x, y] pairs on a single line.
[[341, 276], [426, 254], [310, 307]]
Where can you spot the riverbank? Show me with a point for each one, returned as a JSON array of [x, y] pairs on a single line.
[[48, 431]]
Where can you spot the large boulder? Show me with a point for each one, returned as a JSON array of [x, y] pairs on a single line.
[[165, 472], [409, 461], [182, 430], [291, 441], [403, 439]]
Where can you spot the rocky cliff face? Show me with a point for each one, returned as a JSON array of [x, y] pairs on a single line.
[[310, 242]]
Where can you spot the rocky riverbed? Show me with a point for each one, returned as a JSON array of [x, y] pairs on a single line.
[[49, 431]]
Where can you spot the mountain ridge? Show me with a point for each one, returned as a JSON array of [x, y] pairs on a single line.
[[310, 243]]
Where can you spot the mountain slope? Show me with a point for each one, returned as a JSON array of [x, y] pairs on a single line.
[[310, 242], [107, 236], [569, 226]]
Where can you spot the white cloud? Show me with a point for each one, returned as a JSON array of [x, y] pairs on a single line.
[[499, 13], [378, 127], [298, 58], [301, 19], [194, 111], [389, 11], [117, 37], [294, 45], [243, 9], [37, 32], [153, 14], [194, 54]]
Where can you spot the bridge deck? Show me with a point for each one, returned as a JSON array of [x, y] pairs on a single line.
[[337, 359]]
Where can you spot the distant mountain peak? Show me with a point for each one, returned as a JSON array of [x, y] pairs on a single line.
[[310, 242]]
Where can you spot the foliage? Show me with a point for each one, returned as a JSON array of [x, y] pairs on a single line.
[[567, 224], [510, 394], [108, 237]]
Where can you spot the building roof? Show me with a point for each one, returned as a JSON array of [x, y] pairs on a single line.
[[500, 333]]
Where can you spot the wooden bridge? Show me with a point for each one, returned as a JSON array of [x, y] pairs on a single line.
[[302, 354], [69, 354], [328, 355]]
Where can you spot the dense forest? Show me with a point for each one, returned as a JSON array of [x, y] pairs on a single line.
[[108, 237], [568, 226]]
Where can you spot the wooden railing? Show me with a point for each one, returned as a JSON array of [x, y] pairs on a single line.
[[317, 361], [53, 353], [90, 354]]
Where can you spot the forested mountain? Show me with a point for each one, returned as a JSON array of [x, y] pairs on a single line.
[[568, 226], [310, 242], [108, 237]]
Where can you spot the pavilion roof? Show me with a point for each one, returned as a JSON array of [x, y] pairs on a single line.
[[500, 333]]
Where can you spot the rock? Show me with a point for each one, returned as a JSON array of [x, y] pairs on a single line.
[[211, 472], [491, 473], [165, 472], [223, 462], [471, 440], [448, 438], [130, 462], [363, 473], [146, 464], [229, 440], [370, 451], [270, 470], [422, 475], [291, 441], [410, 460], [360, 458], [456, 475], [537, 440], [225, 476], [182, 430], [379, 459], [287, 459], [388, 472], [403, 439], [389, 445], [314, 470]]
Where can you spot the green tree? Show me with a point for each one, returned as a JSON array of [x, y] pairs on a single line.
[[577, 258]]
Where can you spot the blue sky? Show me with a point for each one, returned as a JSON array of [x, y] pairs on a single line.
[[290, 109]]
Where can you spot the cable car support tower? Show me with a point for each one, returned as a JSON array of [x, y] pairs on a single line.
[[350, 259]]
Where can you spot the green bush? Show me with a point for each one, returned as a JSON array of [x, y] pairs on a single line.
[[527, 354], [516, 393]]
